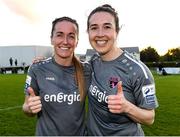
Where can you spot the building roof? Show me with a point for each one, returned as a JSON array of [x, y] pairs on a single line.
[[90, 52], [131, 49]]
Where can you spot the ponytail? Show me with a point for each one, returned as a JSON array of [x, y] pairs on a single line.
[[79, 76]]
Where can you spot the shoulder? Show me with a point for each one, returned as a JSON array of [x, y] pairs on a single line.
[[40, 64], [94, 58], [138, 66], [85, 63], [86, 66]]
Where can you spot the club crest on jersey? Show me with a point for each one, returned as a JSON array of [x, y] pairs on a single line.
[[113, 82]]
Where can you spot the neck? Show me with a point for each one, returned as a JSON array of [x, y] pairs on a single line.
[[112, 55], [63, 61]]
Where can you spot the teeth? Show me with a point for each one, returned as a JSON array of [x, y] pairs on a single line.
[[101, 42], [64, 48]]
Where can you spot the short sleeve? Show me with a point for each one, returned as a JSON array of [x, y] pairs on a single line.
[[144, 89], [31, 81]]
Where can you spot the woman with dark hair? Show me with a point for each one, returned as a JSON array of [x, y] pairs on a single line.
[[122, 91]]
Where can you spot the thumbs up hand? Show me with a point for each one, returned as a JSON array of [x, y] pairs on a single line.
[[117, 103], [33, 101], [31, 91], [119, 88]]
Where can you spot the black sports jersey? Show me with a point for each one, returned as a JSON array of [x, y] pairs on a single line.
[[62, 112], [138, 88]]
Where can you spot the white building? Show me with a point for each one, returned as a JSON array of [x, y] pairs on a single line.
[[24, 54]]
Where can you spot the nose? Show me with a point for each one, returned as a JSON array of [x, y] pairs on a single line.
[[100, 32], [65, 40]]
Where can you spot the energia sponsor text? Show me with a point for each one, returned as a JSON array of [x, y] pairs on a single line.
[[61, 97], [101, 96]]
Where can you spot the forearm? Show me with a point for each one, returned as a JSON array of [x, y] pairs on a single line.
[[140, 115]]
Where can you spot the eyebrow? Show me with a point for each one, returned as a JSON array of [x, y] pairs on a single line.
[[103, 24], [72, 33], [92, 25], [108, 24], [60, 32]]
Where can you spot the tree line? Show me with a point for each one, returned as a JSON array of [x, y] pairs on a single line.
[[150, 54]]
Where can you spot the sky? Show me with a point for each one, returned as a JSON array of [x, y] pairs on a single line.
[[144, 23]]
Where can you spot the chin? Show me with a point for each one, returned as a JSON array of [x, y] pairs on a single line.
[[102, 53], [64, 55]]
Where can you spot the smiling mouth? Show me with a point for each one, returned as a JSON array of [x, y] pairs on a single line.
[[63, 48], [101, 42]]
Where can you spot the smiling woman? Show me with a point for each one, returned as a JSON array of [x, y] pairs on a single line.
[[55, 88]]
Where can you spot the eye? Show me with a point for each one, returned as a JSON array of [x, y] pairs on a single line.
[[72, 36], [59, 35], [93, 28], [107, 27]]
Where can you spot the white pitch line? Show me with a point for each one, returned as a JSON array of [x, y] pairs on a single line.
[[10, 108]]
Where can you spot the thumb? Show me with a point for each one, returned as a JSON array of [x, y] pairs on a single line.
[[119, 88], [31, 91]]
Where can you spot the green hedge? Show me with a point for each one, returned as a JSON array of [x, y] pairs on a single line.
[[162, 64]]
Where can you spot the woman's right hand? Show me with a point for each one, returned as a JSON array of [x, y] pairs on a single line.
[[38, 59], [32, 104]]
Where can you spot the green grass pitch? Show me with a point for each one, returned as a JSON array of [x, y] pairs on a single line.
[[14, 123]]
